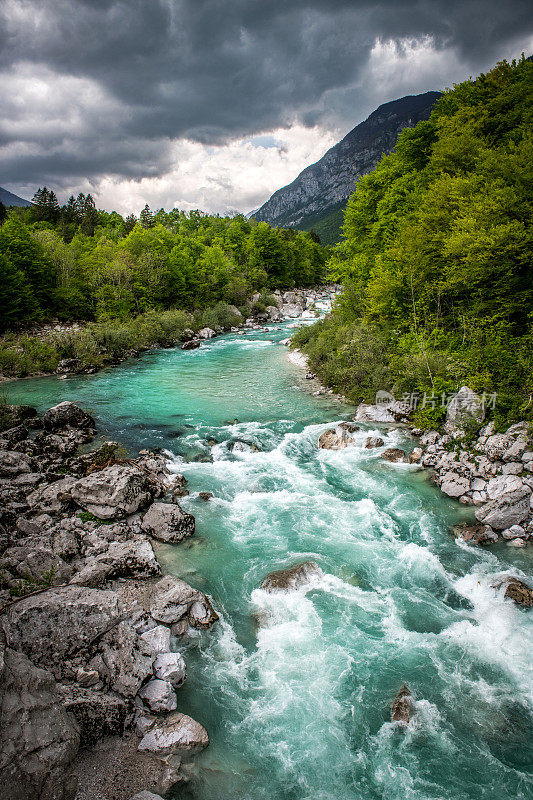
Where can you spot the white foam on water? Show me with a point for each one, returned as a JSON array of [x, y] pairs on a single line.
[[499, 632]]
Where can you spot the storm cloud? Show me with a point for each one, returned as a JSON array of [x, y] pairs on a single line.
[[101, 93]]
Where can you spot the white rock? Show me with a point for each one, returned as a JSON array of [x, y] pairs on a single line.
[[464, 407], [512, 468], [478, 485], [502, 484], [157, 639], [516, 543], [159, 695], [177, 733], [171, 667], [514, 532]]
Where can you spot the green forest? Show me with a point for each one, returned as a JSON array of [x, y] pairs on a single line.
[[135, 281], [437, 258]]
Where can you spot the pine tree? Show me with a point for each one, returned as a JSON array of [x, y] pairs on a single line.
[[129, 223], [146, 217]]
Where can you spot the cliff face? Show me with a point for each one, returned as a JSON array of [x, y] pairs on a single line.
[[325, 186]]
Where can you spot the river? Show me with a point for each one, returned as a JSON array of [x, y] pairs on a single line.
[[295, 688]]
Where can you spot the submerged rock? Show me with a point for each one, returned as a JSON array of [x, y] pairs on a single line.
[[401, 707], [477, 534], [520, 592], [292, 578], [374, 441], [394, 454]]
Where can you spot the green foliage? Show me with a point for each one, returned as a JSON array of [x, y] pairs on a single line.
[[437, 256]]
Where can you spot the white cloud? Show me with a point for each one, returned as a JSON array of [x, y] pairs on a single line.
[[240, 175]]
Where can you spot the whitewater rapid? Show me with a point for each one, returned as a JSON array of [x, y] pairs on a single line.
[[295, 688]]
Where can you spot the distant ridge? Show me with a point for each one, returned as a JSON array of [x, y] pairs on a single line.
[[319, 194], [10, 199]]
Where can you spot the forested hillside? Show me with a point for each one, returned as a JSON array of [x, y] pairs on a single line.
[[437, 257], [78, 263]]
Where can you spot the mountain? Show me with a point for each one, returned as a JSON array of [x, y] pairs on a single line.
[[316, 199], [10, 199]]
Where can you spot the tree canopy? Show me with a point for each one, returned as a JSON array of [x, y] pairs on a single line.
[[437, 255]]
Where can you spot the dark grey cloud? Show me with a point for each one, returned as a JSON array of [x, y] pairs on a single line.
[[129, 76]]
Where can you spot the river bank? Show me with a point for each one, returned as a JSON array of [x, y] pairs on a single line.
[[85, 348], [88, 624]]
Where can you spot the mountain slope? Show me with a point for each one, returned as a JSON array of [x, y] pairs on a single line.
[[322, 189], [10, 199]]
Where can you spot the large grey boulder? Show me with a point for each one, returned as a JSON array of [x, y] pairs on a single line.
[[506, 510], [67, 415], [168, 522], [171, 667], [38, 739], [177, 733], [53, 498], [157, 640], [56, 625], [36, 563], [292, 310], [292, 578], [122, 660], [133, 559], [13, 463], [98, 714], [114, 492], [389, 412], [464, 408], [173, 600], [395, 455], [339, 437], [159, 696]]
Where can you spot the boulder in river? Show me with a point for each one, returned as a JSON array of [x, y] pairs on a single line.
[[171, 667], [339, 437], [67, 415], [506, 509], [401, 707], [374, 441], [520, 592], [477, 534], [168, 522], [173, 600], [394, 455], [192, 344], [159, 695], [292, 578], [177, 733]]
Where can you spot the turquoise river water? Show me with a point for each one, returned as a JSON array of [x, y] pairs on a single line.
[[295, 688]]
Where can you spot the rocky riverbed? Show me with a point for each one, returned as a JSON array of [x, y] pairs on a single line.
[[90, 633]]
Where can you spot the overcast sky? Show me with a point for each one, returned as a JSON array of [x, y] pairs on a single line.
[[215, 104]]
